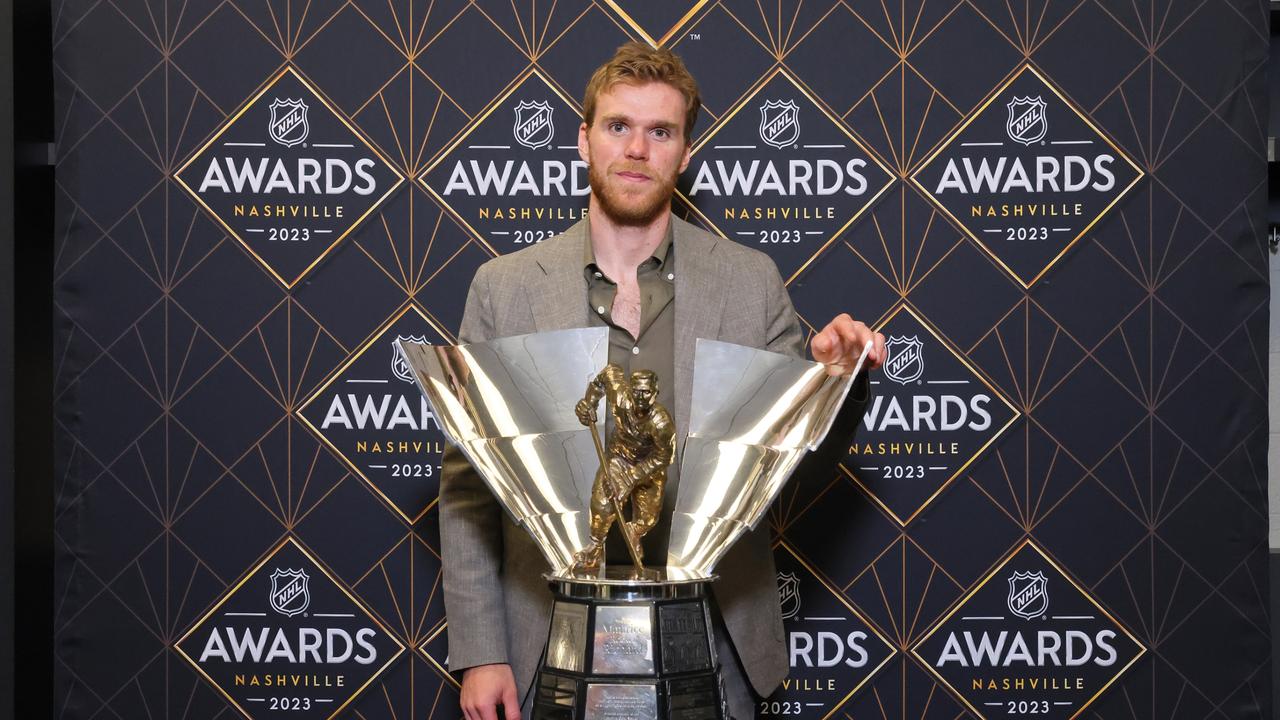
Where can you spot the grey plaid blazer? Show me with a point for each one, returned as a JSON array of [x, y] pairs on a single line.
[[497, 604]]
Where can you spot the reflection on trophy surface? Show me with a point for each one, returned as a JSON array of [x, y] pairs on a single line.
[[633, 644], [634, 464]]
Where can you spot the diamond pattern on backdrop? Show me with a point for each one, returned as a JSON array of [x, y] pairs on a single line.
[[1134, 364], [779, 122], [655, 23], [371, 413]]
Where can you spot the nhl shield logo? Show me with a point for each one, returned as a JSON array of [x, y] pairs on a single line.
[[789, 594], [1027, 122], [533, 128], [290, 592], [288, 124], [905, 363], [1028, 594], [779, 123], [399, 365]]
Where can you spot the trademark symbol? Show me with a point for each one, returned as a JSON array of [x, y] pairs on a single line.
[[695, 36]]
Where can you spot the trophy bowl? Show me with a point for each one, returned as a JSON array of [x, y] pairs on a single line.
[[627, 641]]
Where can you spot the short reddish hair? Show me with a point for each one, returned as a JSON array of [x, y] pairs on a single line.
[[636, 63]]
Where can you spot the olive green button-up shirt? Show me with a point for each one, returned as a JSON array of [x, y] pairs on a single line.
[[653, 349]]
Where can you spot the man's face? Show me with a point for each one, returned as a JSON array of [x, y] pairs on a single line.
[[642, 393], [635, 149]]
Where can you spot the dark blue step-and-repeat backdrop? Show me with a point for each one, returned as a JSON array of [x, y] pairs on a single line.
[[1056, 505]]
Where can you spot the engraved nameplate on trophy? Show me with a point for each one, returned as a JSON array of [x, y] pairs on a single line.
[[557, 696], [684, 633], [567, 647], [623, 641], [621, 702], [693, 698]]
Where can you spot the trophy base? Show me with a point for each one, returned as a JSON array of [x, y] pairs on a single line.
[[627, 649]]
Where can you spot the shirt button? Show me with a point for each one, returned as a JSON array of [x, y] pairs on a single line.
[[671, 276], [635, 350], [599, 275], [600, 309]]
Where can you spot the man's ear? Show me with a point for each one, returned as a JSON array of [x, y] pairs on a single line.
[[684, 160], [584, 146]]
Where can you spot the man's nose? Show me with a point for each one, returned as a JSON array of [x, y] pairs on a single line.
[[637, 146]]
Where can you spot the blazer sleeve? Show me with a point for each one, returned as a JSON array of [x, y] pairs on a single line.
[[785, 336], [782, 327], [471, 531]]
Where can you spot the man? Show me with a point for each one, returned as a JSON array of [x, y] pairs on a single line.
[[658, 284]]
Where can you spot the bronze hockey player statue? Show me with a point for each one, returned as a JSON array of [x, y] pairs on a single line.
[[634, 464]]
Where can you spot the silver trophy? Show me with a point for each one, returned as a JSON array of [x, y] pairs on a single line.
[[627, 641]]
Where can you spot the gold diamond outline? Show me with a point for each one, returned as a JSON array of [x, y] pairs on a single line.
[[1017, 414], [422, 650], [1142, 649], [266, 87], [1026, 66], [644, 34], [746, 98], [893, 649], [466, 132], [270, 554], [333, 377]]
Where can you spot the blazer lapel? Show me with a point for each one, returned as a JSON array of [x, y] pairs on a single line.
[[557, 295], [699, 307]]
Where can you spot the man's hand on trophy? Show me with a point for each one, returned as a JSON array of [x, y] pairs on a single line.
[[586, 412], [841, 343]]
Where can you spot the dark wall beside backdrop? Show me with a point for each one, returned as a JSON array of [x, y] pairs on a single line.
[[1056, 506]]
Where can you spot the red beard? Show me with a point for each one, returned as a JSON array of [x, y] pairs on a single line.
[[631, 208]]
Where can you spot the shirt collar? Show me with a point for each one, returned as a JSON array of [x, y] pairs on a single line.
[[662, 254]]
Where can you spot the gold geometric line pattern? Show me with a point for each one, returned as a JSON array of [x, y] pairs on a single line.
[[1026, 29], [1026, 68], [248, 104], [400, 647], [668, 34], [959, 605]]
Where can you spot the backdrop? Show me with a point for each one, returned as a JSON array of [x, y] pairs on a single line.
[[1054, 210]]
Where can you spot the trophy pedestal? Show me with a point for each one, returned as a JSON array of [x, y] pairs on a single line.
[[623, 649]]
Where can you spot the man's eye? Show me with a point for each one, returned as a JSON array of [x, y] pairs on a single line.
[[662, 133], [616, 127]]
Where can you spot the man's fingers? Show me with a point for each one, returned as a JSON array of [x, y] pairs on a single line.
[[825, 345], [510, 705], [848, 337], [842, 341], [852, 333], [471, 711], [818, 347], [484, 687], [481, 709], [881, 354]]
